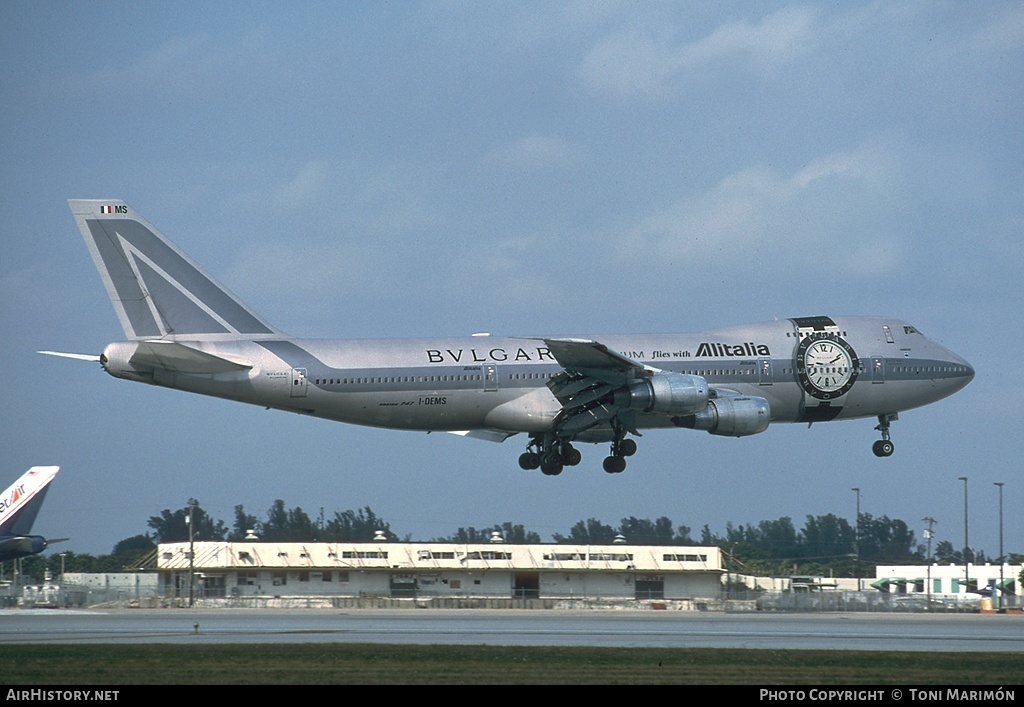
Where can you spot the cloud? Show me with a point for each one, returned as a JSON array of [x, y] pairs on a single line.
[[334, 229], [1003, 33], [780, 37], [533, 153], [308, 186], [646, 60], [834, 212], [196, 67]]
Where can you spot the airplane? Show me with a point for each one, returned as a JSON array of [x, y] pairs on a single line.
[[19, 506], [968, 600], [186, 331]]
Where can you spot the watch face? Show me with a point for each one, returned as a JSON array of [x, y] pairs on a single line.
[[827, 366]]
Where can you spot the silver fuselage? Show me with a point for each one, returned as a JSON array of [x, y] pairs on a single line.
[[500, 383]]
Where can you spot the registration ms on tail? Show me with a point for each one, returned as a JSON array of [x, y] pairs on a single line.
[[185, 330]]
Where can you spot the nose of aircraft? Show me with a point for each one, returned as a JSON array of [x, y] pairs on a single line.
[[959, 372]]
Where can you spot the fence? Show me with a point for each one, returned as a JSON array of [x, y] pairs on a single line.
[[875, 601]]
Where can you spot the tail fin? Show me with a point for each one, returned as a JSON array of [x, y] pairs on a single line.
[[21, 501], [157, 290]]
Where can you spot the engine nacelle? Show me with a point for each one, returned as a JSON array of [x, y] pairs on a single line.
[[730, 417], [665, 394], [22, 546]]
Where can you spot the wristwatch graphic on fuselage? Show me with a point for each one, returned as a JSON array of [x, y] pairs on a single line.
[[827, 366]]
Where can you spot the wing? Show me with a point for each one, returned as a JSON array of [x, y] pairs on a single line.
[[587, 387]]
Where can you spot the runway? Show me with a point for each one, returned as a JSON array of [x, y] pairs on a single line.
[[833, 631]]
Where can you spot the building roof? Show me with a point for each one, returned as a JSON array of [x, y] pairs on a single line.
[[438, 556]]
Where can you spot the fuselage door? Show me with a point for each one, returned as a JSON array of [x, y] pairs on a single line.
[[764, 371], [877, 369], [490, 372], [298, 386]]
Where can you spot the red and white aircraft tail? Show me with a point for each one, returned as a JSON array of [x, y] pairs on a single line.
[[19, 505]]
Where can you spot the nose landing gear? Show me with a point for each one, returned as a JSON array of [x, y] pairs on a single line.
[[884, 447]]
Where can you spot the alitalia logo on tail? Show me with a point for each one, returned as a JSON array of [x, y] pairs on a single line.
[[717, 349], [114, 209]]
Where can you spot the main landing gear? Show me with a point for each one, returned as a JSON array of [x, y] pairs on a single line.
[[550, 454], [884, 447], [621, 448]]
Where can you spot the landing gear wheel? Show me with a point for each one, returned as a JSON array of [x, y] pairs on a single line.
[[551, 463], [627, 448], [614, 465], [551, 469], [529, 460], [883, 447], [570, 455]]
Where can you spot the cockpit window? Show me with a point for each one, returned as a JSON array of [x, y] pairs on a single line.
[[907, 329]]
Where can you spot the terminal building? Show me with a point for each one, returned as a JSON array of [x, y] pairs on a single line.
[[397, 570]]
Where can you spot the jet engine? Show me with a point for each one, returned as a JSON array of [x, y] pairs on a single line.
[[729, 417], [665, 393], [22, 546]]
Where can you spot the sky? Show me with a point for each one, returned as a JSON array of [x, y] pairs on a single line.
[[412, 169]]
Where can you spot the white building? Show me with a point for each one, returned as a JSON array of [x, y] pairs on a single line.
[[115, 586], [950, 579], [439, 570]]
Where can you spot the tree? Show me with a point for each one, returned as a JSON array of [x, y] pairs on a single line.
[[244, 523], [172, 526], [356, 526], [510, 533], [779, 538], [517, 534], [589, 532], [827, 537], [131, 550], [288, 526], [468, 535], [645, 532], [135, 544], [885, 541], [945, 552]]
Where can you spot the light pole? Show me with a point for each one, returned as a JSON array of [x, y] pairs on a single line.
[[967, 576], [856, 539], [928, 535], [1001, 560], [192, 503]]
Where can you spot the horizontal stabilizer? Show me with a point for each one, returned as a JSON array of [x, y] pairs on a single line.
[[80, 357], [172, 356]]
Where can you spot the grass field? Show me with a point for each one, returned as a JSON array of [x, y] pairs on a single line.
[[316, 664]]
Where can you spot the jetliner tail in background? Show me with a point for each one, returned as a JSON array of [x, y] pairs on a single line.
[[19, 506], [158, 292]]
